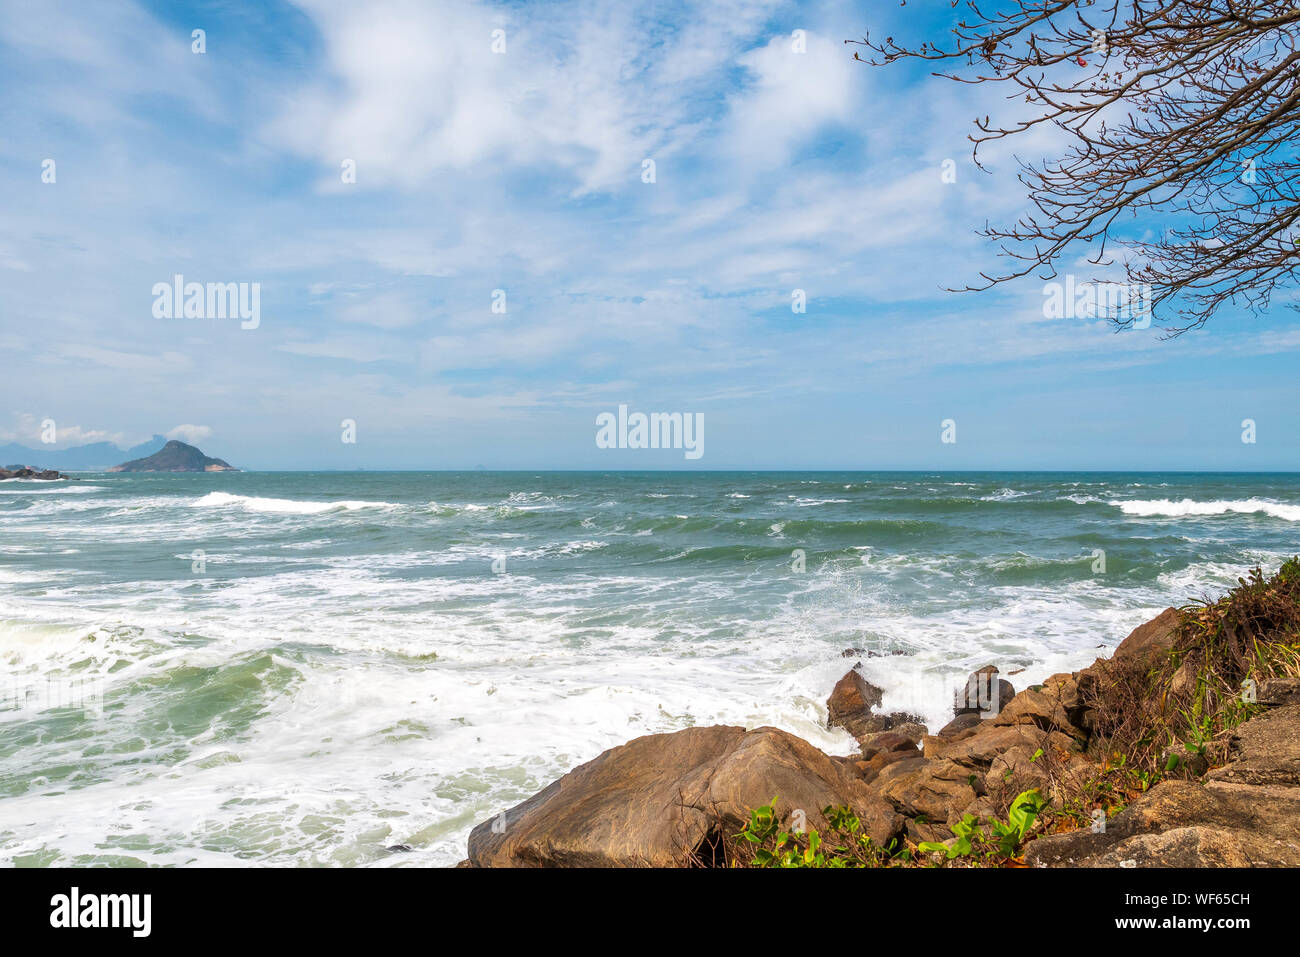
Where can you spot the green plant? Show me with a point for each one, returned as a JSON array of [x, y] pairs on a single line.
[[1186, 700], [1001, 841], [763, 842], [1024, 811]]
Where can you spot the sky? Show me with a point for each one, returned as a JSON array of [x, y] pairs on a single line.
[[504, 266]]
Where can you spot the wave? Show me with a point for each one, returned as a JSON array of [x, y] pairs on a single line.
[[41, 488], [1078, 499], [1003, 495], [1164, 507], [286, 506]]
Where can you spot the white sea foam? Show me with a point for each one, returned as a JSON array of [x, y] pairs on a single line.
[[1003, 495], [1187, 507], [404, 691], [501, 684], [286, 506], [38, 487]]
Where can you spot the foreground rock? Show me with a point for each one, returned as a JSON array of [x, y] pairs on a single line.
[[1146, 643], [27, 472], [675, 799], [669, 800], [1245, 814]]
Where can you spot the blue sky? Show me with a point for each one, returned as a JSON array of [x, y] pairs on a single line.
[[523, 171]]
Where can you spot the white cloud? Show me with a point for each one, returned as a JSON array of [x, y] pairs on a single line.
[[790, 97], [30, 430], [414, 90], [192, 434]]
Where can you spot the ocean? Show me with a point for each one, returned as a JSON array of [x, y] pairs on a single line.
[[354, 668]]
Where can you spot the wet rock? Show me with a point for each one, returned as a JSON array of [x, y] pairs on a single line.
[[852, 705], [984, 693], [914, 731]]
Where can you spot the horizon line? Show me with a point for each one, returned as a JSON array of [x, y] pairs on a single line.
[[819, 469]]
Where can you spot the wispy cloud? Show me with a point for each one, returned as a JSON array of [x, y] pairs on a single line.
[[777, 168]]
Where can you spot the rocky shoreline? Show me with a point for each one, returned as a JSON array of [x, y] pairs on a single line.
[[681, 799], [27, 472]]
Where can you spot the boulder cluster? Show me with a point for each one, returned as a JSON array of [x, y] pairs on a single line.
[[27, 472], [676, 799]]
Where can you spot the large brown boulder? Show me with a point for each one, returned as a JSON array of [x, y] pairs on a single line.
[[1148, 643], [666, 800]]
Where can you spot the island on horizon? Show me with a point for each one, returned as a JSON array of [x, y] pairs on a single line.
[[175, 456]]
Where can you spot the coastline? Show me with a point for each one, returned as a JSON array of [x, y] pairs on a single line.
[[1093, 768]]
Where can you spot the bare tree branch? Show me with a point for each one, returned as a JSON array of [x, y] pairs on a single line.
[[1184, 111]]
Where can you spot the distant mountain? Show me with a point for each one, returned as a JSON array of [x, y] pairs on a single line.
[[175, 457], [93, 457]]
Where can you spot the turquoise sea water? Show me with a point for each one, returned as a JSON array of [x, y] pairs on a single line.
[[309, 668]]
